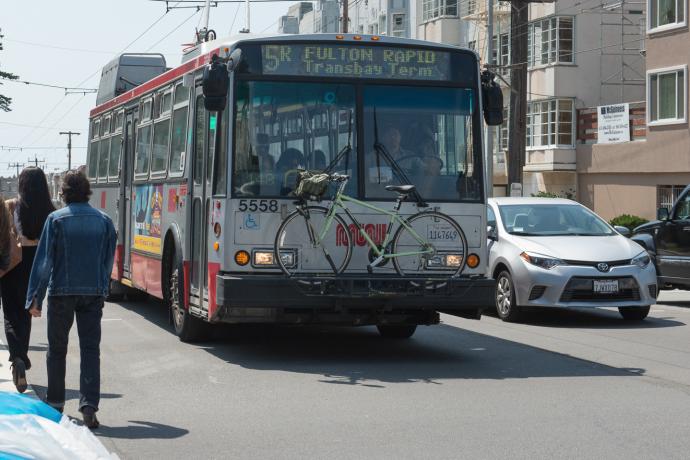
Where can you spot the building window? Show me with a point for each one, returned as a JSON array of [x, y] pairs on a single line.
[[432, 9], [666, 95], [550, 41], [550, 123], [666, 14], [501, 52], [501, 138], [398, 29], [666, 195]]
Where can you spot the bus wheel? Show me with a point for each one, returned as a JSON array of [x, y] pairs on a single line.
[[396, 331], [187, 327]]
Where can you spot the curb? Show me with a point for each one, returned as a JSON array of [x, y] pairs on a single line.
[[6, 383]]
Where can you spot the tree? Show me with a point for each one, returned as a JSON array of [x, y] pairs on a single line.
[[4, 100]]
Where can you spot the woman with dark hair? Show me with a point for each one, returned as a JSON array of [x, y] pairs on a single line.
[[29, 212]]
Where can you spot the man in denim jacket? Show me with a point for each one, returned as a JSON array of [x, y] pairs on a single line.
[[73, 261]]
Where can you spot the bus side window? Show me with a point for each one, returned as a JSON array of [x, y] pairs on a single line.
[[114, 161], [220, 168], [141, 163], [93, 160], [104, 153], [179, 141], [161, 132]]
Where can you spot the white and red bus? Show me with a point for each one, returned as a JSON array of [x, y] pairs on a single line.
[[197, 195]]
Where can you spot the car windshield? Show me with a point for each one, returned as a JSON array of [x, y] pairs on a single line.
[[552, 220]]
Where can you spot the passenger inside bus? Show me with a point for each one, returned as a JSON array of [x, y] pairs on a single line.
[[287, 169], [316, 160]]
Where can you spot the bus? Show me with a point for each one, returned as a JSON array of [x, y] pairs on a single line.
[[197, 167]]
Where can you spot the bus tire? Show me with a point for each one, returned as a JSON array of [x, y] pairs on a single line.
[[117, 291], [396, 331], [187, 327]]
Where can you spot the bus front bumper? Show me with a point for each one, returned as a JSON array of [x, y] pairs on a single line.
[[358, 299]]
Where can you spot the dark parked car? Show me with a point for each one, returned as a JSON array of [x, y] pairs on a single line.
[[668, 242]]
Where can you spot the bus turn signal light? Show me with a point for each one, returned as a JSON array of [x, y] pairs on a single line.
[[473, 261], [216, 246], [241, 258]]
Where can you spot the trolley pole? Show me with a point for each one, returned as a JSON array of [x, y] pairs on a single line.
[[69, 135]]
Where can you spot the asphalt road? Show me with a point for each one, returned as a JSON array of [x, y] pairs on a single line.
[[580, 384]]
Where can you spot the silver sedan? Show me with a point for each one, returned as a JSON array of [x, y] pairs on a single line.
[[548, 252]]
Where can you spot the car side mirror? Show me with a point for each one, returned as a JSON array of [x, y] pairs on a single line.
[[625, 231], [662, 214], [491, 233]]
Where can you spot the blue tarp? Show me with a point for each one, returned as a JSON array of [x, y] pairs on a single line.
[[16, 403]]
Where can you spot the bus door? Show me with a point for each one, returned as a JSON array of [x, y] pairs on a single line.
[[200, 192], [127, 176]]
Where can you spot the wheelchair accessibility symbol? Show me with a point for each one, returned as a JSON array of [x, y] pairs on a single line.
[[252, 222]]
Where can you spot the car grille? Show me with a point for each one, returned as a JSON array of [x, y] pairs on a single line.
[[582, 288], [536, 292], [587, 263]]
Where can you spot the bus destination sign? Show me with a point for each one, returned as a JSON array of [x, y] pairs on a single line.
[[326, 60]]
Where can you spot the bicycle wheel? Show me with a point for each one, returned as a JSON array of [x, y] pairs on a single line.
[[430, 244], [303, 253]]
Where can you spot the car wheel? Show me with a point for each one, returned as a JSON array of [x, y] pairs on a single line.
[[634, 313], [397, 331], [506, 306]]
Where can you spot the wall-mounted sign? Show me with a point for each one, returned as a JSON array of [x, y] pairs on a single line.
[[613, 123]]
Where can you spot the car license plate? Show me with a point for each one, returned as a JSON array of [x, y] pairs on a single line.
[[606, 286]]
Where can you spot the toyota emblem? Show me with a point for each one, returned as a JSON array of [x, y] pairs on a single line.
[[603, 267]]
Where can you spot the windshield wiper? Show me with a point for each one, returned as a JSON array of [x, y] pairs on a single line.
[[525, 234], [399, 174]]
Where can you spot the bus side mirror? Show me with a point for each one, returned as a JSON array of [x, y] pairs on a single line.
[[215, 85], [492, 100], [234, 59]]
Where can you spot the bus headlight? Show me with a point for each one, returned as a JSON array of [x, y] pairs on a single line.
[[263, 258], [266, 258], [444, 261]]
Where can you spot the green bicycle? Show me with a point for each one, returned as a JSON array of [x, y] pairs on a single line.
[[316, 241]]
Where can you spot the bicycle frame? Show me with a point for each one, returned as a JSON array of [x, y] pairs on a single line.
[[340, 200]]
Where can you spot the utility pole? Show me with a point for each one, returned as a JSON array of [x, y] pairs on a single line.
[[69, 146], [16, 165], [36, 161], [490, 129], [346, 15], [519, 18]]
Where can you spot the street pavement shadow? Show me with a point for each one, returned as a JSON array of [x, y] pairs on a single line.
[[70, 394], [141, 430], [360, 356], [674, 303], [589, 318]]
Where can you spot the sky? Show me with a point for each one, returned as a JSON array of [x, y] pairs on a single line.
[[67, 42]]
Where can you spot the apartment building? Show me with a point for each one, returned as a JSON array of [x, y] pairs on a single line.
[[639, 176]]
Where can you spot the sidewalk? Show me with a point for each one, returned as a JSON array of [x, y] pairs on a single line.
[[6, 373]]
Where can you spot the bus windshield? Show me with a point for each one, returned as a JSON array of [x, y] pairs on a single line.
[[281, 128], [419, 135], [427, 134]]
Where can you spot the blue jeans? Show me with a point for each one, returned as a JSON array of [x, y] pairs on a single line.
[[61, 312]]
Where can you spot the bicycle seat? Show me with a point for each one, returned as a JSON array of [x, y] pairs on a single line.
[[404, 189]]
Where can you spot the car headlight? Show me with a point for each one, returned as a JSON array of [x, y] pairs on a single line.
[[641, 260], [541, 261]]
